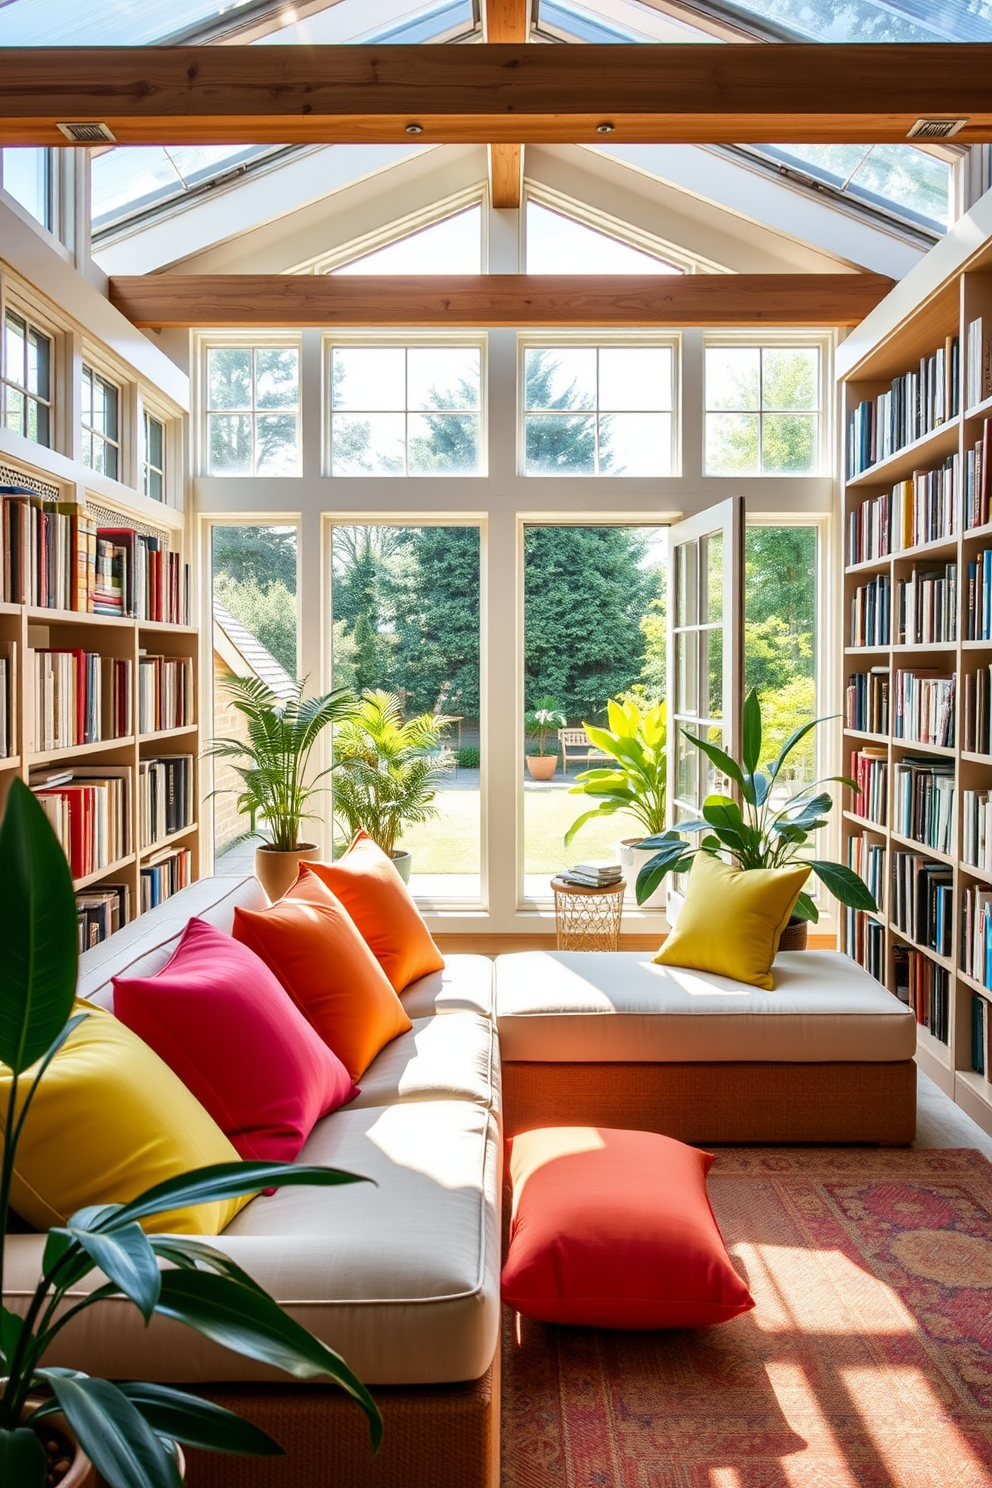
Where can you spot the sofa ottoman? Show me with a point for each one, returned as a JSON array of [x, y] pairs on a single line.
[[610, 1039]]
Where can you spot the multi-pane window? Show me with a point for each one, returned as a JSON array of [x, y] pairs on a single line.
[[762, 410], [101, 424], [598, 410], [406, 410], [27, 379], [253, 410], [153, 478]]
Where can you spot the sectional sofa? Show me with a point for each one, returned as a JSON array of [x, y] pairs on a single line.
[[403, 1278]]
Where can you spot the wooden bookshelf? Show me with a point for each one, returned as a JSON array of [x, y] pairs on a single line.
[[947, 311]]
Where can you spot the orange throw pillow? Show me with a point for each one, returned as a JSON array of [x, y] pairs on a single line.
[[310, 941], [371, 890]]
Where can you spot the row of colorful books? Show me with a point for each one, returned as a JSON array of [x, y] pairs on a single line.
[[922, 900], [978, 608], [923, 707], [89, 811], [917, 402], [866, 701], [100, 911], [80, 697], [927, 606], [166, 797], [978, 479], [165, 692], [870, 772], [866, 942], [164, 875], [923, 802], [921, 509], [925, 987], [976, 711], [976, 829], [976, 934], [978, 381], [866, 856], [136, 575], [870, 606]]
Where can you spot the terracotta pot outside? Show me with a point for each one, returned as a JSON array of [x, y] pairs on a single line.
[[795, 935], [542, 766], [277, 871], [402, 862], [633, 858]]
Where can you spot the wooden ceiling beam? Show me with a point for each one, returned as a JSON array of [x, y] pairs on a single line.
[[506, 175], [490, 300], [496, 94], [506, 22]]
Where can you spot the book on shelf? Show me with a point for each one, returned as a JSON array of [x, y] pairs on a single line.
[[978, 379], [865, 941], [915, 404], [870, 772], [923, 801], [976, 934], [978, 478], [164, 875], [866, 857], [924, 707], [870, 612], [90, 815], [7, 694], [100, 911], [923, 900], [139, 577], [165, 797], [978, 597], [925, 987], [869, 529], [867, 701], [48, 547], [976, 711], [165, 692], [80, 697], [927, 606], [976, 829], [981, 1036]]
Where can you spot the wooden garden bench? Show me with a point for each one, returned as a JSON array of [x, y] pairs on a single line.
[[576, 748]]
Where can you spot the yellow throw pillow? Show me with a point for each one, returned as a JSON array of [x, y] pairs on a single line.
[[109, 1120], [732, 920]]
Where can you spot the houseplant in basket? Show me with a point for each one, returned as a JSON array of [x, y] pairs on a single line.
[[754, 833], [635, 738], [544, 718], [129, 1432], [272, 763], [390, 770]]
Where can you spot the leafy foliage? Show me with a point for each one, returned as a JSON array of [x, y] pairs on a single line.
[[638, 782], [757, 835], [129, 1431], [544, 718], [273, 762], [391, 769]]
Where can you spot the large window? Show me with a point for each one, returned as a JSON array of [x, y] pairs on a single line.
[[451, 246], [252, 410], [100, 419], [763, 410], [598, 410], [406, 410], [780, 627], [27, 379], [555, 239]]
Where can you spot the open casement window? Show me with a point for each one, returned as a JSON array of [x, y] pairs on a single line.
[[705, 657]]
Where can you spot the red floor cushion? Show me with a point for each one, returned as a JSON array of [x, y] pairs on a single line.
[[613, 1229]]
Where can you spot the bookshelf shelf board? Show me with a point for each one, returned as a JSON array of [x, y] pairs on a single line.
[[176, 733], [933, 549], [921, 847], [861, 821], [928, 951], [923, 648], [977, 533], [40, 615], [9, 609], [972, 870], [975, 645], [940, 441], [977, 1084], [976, 759], [92, 878], [933, 1046], [974, 985], [168, 840], [978, 410], [11, 762], [76, 751], [869, 565], [850, 733], [913, 746], [163, 625], [866, 650]]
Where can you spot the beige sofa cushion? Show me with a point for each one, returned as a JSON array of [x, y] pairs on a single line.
[[454, 1057], [402, 1279], [465, 985], [570, 1006]]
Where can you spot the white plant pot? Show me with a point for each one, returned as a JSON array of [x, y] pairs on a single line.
[[633, 857]]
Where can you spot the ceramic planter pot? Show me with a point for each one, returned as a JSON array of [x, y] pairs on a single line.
[[542, 766], [402, 861], [632, 858], [276, 871]]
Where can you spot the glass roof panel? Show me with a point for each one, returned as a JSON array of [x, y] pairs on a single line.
[[131, 178], [107, 23], [451, 246], [868, 20], [916, 185]]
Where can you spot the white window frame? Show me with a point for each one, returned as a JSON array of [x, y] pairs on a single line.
[[407, 342], [611, 227], [824, 412], [147, 466], [403, 227], [98, 373], [615, 340], [12, 306], [201, 384]]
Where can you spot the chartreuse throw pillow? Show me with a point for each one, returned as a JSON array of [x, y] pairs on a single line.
[[732, 920], [109, 1120]]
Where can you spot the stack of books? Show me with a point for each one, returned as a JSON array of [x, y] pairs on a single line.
[[100, 911], [89, 812], [597, 873]]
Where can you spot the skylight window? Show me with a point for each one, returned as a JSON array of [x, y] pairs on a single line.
[[53, 23], [556, 243], [868, 20], [133, 178], [915, 184], [451, 246]]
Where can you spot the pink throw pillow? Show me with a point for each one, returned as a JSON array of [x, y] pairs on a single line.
[[220, 1020]]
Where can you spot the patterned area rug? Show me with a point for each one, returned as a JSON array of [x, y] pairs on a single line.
[[866, 1363]]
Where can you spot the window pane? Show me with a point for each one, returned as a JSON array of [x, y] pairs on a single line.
[[368, 444], [406, 620], [229, 444], [229, 377], [15, 403], [39, 364], [14, 334], [253, 594], [711, 552], [452, 246], [635, 377], [109, 409], [39, 423], [87, 397], [368, 378], [789, 377], [686, 671], [733, 377], [443, 443], [732, 444], [154, 441], [780, 620], [635, 444], [560, 377], [275, 444], [555, 240], [276, 377], [788, 443], [443, 377], [153, 485], [560, 444], [595, 629], [27, 177], [711, 642]]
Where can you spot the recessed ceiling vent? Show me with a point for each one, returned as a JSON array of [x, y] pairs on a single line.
[[935, 129], [93, 133]]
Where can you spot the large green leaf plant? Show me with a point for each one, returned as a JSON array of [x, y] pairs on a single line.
[[637, 782], [128, 1430], [753, 832]]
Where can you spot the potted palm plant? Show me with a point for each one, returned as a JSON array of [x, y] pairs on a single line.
[[754, 832], [272, 763], [636, 783], [130, 1432], [544, 718], [390, 772]]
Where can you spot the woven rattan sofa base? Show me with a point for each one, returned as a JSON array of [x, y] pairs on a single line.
[[436, 1436], [719, 1102]]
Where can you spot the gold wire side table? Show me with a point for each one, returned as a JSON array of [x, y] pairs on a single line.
[[587, 919]]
